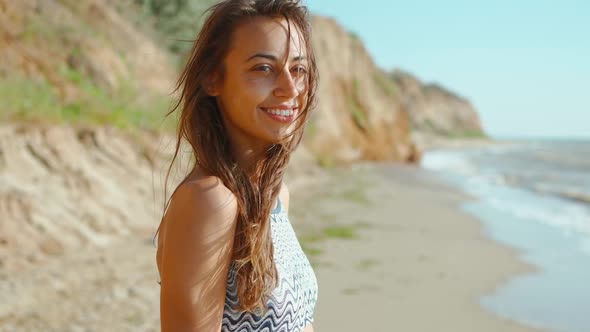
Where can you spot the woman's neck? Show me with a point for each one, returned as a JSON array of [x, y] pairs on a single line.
[[248, 155]]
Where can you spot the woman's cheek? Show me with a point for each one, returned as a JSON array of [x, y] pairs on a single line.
[[261, 86], [301, 86], [302, 98]]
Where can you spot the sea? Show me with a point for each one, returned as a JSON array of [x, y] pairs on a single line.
[[534, 196]]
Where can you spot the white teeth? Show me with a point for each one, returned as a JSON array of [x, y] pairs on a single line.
[[280, 112]]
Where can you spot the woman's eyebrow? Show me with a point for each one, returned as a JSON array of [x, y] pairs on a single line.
[[299, 58], [274, 58]]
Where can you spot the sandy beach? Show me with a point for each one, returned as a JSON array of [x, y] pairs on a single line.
[[390, 247], [400, 255]]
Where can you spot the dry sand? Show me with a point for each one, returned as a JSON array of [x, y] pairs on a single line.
[[391, 249]]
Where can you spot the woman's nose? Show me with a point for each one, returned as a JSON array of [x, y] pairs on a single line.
[[286, 85]]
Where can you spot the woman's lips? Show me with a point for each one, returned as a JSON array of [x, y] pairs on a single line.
[[284, 115]]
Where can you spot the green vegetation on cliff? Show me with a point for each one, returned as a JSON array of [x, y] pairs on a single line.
[[177, 21], [84, 68], [23, 99]]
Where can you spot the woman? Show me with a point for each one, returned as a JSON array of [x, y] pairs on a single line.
[[227, 254]]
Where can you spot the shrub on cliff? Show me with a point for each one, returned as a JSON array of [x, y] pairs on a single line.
[[178, 21]]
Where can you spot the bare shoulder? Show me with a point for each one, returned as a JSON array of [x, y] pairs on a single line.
[[205, 195], [205, 198], [199, 206], [195, 254]]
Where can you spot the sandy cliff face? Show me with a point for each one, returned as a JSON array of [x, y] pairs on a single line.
[[434, 110], [359, 114], [62, 188]]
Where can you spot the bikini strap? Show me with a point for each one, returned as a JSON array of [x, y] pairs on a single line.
[[279, 206]]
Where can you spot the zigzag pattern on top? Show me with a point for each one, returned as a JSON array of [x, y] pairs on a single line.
[[291, 305]]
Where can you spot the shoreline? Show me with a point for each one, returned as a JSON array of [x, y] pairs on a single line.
[[404, 254], [464, 143], [531, 198]]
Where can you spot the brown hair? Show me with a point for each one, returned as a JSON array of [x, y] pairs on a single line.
[[201, 125]]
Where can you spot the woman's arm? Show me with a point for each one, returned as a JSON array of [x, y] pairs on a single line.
[[197, 243]]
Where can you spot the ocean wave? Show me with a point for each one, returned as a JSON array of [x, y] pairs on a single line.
[[520, 193], [569, 218], [448, 161]]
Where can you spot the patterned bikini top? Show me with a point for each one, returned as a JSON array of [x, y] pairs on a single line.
[[291, 305]]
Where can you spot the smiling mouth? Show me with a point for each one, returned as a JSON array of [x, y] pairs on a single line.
[[284, 115]]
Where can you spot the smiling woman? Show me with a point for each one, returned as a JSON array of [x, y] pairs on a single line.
[[264, 81], [228, 257]]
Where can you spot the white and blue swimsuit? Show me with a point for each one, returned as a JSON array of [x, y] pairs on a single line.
[[290, 306]]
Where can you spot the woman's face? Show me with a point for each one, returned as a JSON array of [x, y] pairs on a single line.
[[264, 83]]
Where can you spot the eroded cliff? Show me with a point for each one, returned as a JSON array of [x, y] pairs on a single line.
[[436, 111]]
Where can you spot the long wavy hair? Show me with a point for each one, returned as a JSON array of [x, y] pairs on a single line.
[[201, 125]]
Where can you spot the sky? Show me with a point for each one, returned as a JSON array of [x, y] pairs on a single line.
[[524, 65]]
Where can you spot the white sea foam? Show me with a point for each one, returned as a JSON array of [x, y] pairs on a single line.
[[500, 192], [568, 218], [448, 161]]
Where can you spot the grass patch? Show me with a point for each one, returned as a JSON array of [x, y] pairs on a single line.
[[38, 101], [340, 232], [366, 264], [359, 117], [354, 195], [134, 319], [310, 241], [354, 191], [334, 232], [355, 108], [351, 291], [354, 36], [311, 238], [311, 128], [430, 126], [385, 84], [311, 251], [19, 98], [325, 161]]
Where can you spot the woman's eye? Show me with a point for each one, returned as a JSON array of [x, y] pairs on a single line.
[[300, 70], [264, 68]]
